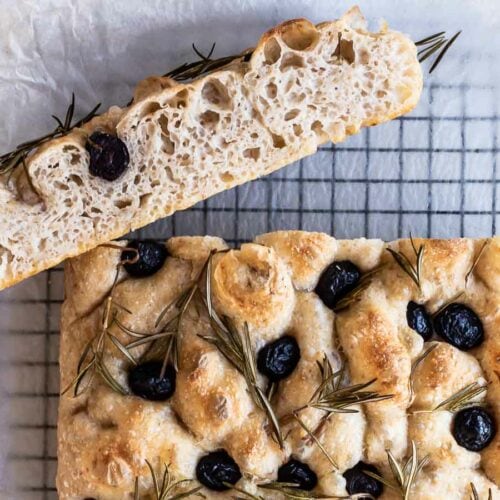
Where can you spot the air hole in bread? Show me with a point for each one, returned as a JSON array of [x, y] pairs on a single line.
[[179, 100], [291, 61], [107, 425], [226, 177], [290, 115], [149, 108], [271, 90], [317, 128], [214, 92], [300, 36], [297, 129], [209, 118], [95, 210], [253, 153], [364, 56], [144, 199], [61, 186], [165, 135], [76, 179], [126, 202], [272, 51], [278, 141], [75, 158]]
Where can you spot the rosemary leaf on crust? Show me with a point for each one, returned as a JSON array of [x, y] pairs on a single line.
[[415, 365], [292, 492], [351, 297], [462, 398], [404, 474], [312, 435], [165, 487], [414, 271], [330, 397], [475, 261], [475, 494]]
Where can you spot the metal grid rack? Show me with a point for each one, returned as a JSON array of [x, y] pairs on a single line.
[[426, 173]]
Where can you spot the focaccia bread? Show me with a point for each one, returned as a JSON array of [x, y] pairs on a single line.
[[177, 144], [256, 334]]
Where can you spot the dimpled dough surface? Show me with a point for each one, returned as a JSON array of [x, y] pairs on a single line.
[[105, 438]]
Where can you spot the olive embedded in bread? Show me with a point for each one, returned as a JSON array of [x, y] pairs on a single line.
[[148, 258], [336, 281], [357, 481], [419, 320], [473, 428], [298, 473], [109, 156], [460, 326], [278, 359], [145, 381], [216, 469]]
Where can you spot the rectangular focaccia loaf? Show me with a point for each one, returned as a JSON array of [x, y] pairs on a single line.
[[302, 86], [339, 302]]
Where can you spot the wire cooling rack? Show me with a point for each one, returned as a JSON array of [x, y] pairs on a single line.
[[433, 173]]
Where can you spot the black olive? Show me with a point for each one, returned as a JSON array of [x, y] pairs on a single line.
[[419, 320], [144, 381], [152, 256], [357, 481], [108, 156], [298, 473], [473, 428], [460, 326], [336, 281], [217, 468], [278, 359]]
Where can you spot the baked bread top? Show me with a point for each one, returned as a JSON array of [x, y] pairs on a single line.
[[298, 304], [178, 144]]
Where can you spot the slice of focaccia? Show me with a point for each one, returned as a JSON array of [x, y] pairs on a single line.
[[296, 360], [178, 144]]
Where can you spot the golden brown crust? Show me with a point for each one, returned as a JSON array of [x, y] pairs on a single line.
[[105, 438]]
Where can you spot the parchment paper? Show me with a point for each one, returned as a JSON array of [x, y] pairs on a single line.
[[434, 174]]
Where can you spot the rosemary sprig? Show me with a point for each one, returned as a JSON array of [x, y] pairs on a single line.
[[431, 44], [189, 71], [291, 491], [462, 398], [165, 488], [475, 494], [475, 261], [404, 475], [13, 159], [236, 347], [330, 397], [172, 341], [414, 271], [91, 361], [312, 435], [415, 365]]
